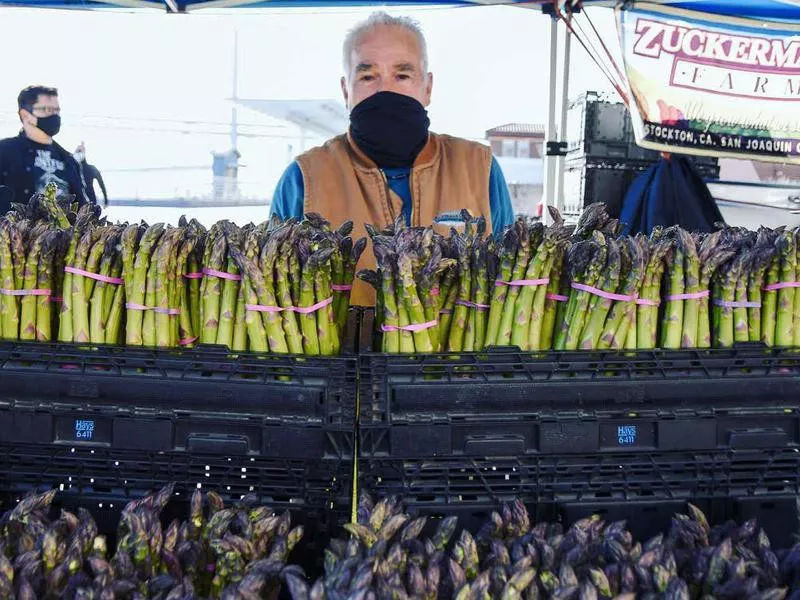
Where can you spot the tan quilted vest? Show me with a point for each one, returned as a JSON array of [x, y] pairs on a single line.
[[342, 183]]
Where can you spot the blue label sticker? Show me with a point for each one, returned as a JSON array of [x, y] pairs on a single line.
[[626, 435], [84, 429]]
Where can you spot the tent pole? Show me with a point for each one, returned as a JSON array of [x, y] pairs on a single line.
[[550, 127], [562, 124]]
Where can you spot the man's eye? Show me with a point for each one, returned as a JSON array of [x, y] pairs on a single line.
[[403, 76], [366, 78]]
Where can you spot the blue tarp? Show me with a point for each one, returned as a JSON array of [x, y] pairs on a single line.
[[671, 192], [787, 10]]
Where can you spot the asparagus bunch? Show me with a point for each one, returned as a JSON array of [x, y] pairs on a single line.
[[745, 291], [780, 299], [416, 282], [161, 283], [586, 261], [237, 551], [27, 258], [288, 301], [523, 305], [477, 270], [344, 259], [33, 239]]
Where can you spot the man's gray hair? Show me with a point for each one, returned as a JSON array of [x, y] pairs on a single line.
[[378, 19]]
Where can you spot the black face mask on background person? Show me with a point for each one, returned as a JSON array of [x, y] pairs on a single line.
[[51, 125], [390, 128]]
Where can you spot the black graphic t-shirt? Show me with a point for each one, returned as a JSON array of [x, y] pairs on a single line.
[[26, 167]]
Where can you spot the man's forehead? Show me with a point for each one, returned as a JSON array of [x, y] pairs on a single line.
[[47, 99], [403, 65], [395, 40]]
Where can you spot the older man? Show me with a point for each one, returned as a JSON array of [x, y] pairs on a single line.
[[388, 163]]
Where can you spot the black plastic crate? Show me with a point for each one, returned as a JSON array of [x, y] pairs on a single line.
[[194, 401], [129, 474], [646, 490], [511, 403], [587, 181], [598, 127]]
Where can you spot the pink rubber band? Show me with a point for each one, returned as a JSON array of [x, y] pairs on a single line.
[[557, 297], [306, 310], [35, 292], [646, 302], [187, 341], [156, 309], [56, 299], [434, 292], [473, 304], [603, 294], [742, 304], [303, 310], [135, 306], [523, 282], [196, 275], [96, 276], [418, 327], [264, 308], [341, 287], [693, 296], [222, 274], [445, 311], [781, 285]]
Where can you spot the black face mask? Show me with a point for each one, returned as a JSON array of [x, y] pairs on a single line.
[[50, 125], [390, 128]]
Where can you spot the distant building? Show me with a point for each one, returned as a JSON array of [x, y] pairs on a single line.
[[519, 148]]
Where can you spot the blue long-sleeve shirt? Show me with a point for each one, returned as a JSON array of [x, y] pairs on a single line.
[[287, 201]]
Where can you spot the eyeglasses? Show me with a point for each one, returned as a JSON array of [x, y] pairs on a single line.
[[46, 110]]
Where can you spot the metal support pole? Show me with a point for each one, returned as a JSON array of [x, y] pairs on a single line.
[[562, 124], [550, 127]]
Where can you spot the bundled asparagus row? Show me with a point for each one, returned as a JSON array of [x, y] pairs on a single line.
[[285, 287], [391, 555], [218, 552], [536, 287]]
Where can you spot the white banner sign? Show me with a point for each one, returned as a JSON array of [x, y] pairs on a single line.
[[706, 84]]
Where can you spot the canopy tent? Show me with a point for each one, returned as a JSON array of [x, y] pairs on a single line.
[[766, 10], [756, 9]]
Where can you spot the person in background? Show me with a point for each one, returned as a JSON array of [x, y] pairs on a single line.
[[31, 160], [90, 174], [389, 163]]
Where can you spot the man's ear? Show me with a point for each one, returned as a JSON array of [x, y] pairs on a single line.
[[428, 89], [25, 117], [343, 83]]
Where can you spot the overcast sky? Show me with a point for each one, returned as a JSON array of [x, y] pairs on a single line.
[[148, 90]]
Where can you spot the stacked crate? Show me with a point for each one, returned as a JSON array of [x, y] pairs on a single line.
[[602, 156]]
